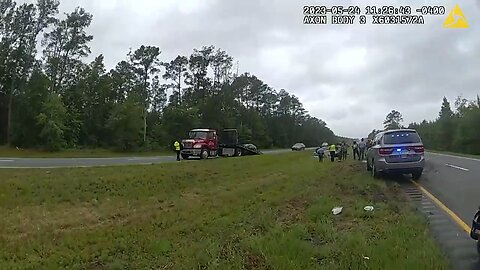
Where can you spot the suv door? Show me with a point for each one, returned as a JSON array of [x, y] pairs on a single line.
[[371, 152]]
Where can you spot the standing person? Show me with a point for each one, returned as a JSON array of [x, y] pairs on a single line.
[[320, 153], [332, 148], [344, 151], [356, 153], [176, 144], [339, 151], [361, 146]]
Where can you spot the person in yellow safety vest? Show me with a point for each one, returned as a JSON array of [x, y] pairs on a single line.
[[332, 149], [177, 149]]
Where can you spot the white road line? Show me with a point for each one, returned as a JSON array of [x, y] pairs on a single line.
[[6, 160], [459, 157], [457, 167]]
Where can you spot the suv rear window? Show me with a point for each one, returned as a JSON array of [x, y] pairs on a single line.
[[401, 137]]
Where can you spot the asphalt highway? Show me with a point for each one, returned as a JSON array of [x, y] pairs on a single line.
[[24, 163], [455, 181]]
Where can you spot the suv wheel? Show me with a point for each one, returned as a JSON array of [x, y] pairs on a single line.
[[417, 175], [204, 154], [375, 173]]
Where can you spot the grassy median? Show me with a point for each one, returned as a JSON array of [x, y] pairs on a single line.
[[260, 212], [12, 152], [454, 154]]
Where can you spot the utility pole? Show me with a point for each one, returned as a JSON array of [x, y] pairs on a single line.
[[179, 83], [236, 74]]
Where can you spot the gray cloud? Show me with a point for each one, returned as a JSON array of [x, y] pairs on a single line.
[[349, 76]]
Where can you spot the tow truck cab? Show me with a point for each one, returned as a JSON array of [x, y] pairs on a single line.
[[200, 143]]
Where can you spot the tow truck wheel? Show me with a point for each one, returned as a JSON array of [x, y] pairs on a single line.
[[204, 154]]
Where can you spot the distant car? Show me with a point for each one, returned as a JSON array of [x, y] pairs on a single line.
[[298, 147], [396, 151]]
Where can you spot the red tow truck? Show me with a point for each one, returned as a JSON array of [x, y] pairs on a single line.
[[206, 142]]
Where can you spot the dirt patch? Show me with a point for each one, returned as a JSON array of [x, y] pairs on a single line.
[[379, 197], [392, 196], [315, 240], [345, 224], [293, 211], [95, 266], [192, 197], [254, 261]]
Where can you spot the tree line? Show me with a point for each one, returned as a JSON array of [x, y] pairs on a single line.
[[455, 130], [52, 99]]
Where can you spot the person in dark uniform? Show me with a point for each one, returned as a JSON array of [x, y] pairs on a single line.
[[320, 153], [356, 153]]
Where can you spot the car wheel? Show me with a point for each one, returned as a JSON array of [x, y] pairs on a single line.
[[375, 173], [478, 247], [184, 156], [204, 154], [417, 175]]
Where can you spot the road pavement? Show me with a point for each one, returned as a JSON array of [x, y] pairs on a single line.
[[19, 163], [455, 181]]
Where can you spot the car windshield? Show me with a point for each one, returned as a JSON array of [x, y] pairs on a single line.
[[198, 134], [401, 137]]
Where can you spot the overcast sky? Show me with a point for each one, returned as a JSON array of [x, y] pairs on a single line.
[[349, 76]]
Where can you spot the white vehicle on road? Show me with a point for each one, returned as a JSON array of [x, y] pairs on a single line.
[[298, 147]]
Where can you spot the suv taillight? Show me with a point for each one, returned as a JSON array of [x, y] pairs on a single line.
[[419, 149], [385, 151]]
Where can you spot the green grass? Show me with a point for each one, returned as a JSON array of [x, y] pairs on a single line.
[[259, 212], [454, 154], [74, 153]]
